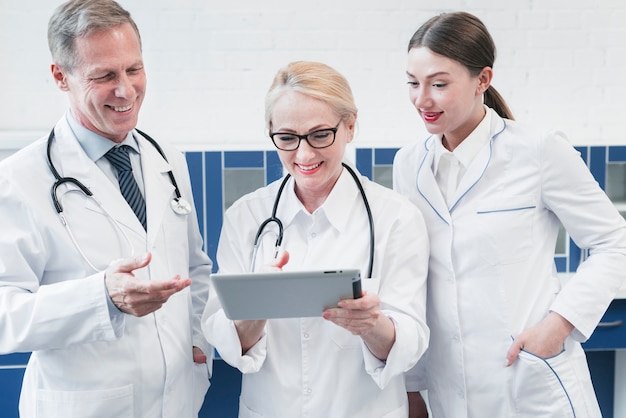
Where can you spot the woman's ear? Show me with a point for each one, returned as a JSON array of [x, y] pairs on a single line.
[[484, 80], [59, 76], [350, 123]]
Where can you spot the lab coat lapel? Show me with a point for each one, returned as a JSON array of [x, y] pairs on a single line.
[[68, 156], [473, 174], [479, 164], [157, 186], [71, 160], [427, 184]]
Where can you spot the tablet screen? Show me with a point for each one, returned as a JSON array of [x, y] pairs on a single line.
[[284, 294]]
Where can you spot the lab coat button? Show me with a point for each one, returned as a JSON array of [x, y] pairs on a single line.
[[305, 335], [313, 235], [308, 391]]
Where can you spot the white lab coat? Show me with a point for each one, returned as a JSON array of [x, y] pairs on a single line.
[[310, 366], [492, 273], [51, 302]]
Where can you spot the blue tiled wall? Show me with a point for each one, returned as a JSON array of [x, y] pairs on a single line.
[[207, 181]]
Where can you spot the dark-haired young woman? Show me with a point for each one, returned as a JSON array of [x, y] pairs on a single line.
[[505, 335]]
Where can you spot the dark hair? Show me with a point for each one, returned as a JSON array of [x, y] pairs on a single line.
[[76, 18], [463, 38]]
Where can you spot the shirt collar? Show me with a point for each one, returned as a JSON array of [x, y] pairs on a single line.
[[339, 202], [469, 147], [336, 208], [94, 145]]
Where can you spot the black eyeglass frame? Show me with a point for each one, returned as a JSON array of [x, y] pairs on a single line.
[[306, 137]]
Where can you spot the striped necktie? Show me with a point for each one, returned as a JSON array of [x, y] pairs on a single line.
[[118, 156]]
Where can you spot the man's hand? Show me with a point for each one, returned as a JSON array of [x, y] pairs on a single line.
[[136, 296], [198, 356]]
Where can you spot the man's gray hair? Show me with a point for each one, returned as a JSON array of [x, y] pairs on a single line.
[[76, 18]]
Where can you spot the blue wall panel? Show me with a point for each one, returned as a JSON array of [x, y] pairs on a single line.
[[195, 163], [617, 154], [364, 162], [597, 164], [244, 159], [214, 199], [273, 168], [10, 386], [384, 156]]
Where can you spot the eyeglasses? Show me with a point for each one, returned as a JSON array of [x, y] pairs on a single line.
[[287, 141]]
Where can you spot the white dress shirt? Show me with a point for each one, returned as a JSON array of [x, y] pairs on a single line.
[[450, 166]]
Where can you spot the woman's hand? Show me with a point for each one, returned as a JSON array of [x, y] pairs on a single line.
[[545, 339], [251, 331], [363, 317], [278, 263]]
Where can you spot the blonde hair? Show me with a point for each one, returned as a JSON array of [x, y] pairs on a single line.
[[316, 80]]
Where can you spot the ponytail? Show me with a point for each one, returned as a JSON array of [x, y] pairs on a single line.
[[494, 100]]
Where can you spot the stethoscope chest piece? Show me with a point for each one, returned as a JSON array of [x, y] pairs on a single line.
[[180, 206]]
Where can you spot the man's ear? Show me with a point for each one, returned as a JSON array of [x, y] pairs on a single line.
[[484, 80], [60, 77]]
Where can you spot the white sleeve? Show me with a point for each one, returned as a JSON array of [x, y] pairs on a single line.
[[594, 223]]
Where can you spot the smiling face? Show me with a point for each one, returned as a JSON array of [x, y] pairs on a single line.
[[108, 86], [447, 97], [315, 171]]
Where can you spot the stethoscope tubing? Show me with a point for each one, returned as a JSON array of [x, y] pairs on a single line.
[[59, 180], [279, 239], [370, 218], [179, 205]]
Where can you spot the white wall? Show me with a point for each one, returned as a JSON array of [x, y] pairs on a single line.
[[561, 64]]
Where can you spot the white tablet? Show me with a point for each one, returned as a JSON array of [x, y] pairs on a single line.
[[284, 294]]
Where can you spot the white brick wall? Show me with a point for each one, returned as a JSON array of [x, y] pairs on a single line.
[[561, 64]]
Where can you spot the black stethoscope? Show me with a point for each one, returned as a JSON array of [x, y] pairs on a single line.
[[279, 239], [178, 203]]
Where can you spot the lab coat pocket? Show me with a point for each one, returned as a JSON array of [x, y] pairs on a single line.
[[504, 229], [117, 402], [201, 383], [542, 387]]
